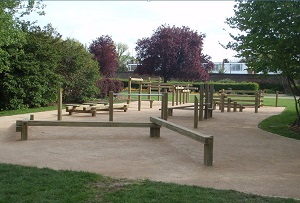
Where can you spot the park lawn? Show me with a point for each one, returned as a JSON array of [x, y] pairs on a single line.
[[31, 184], [281, 124]]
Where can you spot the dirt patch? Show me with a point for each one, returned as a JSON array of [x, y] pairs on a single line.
[[246, 158]]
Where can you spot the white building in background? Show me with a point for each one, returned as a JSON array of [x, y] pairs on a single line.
[[230, 68]]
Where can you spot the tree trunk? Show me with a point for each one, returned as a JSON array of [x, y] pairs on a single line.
[[295, 92]]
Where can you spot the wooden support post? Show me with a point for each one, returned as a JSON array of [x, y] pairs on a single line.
[[111, 106], [201, 102], [24, 130], [183, 96], [211, 99], [228, 104], [222, 105], [208, 151], [158, 89], [59, 105], [31, 117], [234, 106], [196, 110], [256, 102], [276, 99], [139, 96], [164, 106], [155, 131], [173, 94], [129, 90], [177, 96]]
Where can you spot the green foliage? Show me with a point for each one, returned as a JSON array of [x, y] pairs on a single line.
[[106, 85], [79, 72], [30, 80], [269, 38]]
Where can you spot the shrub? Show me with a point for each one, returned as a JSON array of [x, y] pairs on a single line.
[[106, 85]]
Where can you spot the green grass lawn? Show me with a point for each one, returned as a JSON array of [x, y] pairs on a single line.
[[280, 124], [30, 184]]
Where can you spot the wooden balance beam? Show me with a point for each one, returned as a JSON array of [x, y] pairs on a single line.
[[22, 125], [205, 139]]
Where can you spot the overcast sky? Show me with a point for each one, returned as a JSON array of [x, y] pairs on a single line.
[[128, 21]]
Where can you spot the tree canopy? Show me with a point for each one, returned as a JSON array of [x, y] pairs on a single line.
[[269, 38], [104, 51], [172, 52]]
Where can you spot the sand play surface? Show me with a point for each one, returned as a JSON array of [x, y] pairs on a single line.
[[246, 158]]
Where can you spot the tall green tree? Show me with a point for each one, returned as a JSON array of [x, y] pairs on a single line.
[[123, 56], [269, 39], [79, 71], [31, 80]]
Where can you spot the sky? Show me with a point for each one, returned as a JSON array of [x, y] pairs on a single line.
[[128, 21]]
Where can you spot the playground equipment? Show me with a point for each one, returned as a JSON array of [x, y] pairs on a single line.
[[155, 124]]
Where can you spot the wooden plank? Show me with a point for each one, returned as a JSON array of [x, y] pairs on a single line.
[[85, 124], [182, 130]]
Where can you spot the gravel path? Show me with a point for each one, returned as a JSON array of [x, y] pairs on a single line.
[[246, 158]]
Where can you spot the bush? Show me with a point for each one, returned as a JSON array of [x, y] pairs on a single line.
[[106, 85]]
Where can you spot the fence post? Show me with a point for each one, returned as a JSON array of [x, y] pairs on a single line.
[[228, 104], [111, 106]]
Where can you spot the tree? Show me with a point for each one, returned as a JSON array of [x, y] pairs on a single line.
[[172, 52], [123, 56], [30, 80], [79, 71], [104, 52], [269, 39], [11, 12]]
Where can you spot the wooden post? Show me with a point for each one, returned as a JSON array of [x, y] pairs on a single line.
[[59, 104], [234, 106], [164, 106], [208, 152], [256, 102], [228, 104], [183, 96], [158, 89], [276, 99], [177, 96], [24, 130], [155, 131], [111, 106], [201, 102], [139, 96], [196, 110], [31, 117], [222, 105], [211, 99], [173, 95], [149, 89], [129, 90]]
